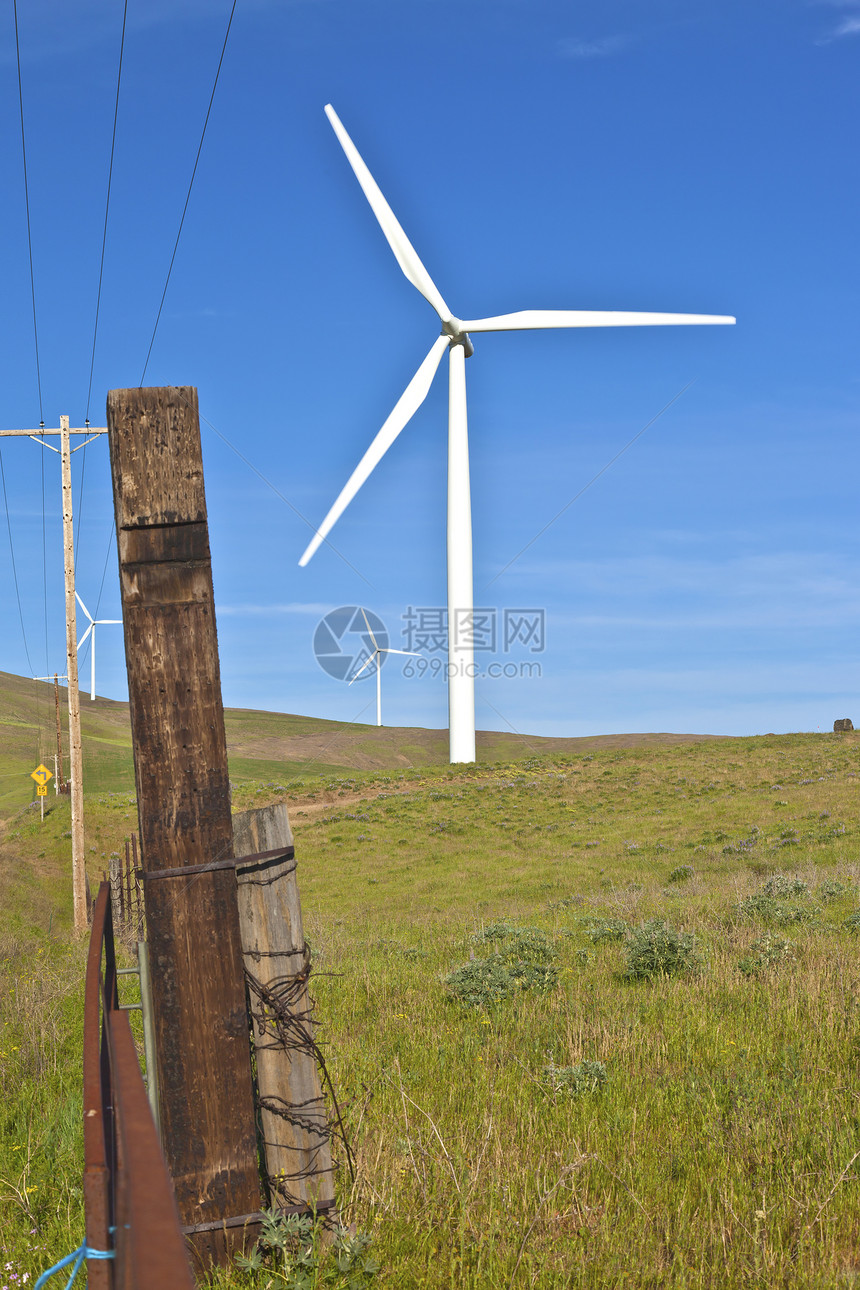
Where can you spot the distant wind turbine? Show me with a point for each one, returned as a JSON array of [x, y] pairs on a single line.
[[376, 656], [94, 623], [454, 338]]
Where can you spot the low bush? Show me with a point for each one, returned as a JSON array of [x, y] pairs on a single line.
[[588, 1077], [601, 930], [656, 949], [524, 960], [780, 884], [832, 889], [682, 873], [764, 954], [291, 1246]]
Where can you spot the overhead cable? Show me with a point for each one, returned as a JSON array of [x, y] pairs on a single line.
[[101, 271], [14, 568], [107, 210], [27, 206], [188, 194]]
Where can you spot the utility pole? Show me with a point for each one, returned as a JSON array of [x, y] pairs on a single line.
[[79, 882], [79, 889], [186, 828]]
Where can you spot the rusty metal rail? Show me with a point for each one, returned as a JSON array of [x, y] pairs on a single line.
[[128, 1197]]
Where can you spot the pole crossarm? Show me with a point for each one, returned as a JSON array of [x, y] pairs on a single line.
[[41, 432]]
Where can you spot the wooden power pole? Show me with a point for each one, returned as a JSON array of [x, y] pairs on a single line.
[[76, 760], [76, 779], [183, 795]]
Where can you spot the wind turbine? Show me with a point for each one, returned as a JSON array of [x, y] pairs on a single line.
[[378, 651], [454, 338], [94, 623]]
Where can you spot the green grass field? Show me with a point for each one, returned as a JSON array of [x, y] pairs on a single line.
[[587, 1127]]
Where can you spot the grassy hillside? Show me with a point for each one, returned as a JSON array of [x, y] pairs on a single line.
[[261, 745], [595, 1122]]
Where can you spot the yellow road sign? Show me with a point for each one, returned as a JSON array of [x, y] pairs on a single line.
[[41, 775], [41, 790]]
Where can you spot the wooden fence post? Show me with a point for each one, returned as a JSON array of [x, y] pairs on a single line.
[[293, 1118], [183, 796]]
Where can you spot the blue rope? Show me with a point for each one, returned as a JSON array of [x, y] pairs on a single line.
[[77, 1257]]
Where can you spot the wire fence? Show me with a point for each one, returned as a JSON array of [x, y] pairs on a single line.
[[127, 892]]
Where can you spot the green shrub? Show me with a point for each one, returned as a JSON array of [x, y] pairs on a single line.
[[768, 903], [290, 1245], [482, 983], [852, 922], [524, 960], [832, 890], [780, 884], [600, 930], [786, 915], [764, 954], [758, 906], [656, 949], [682, 874], [588, 1077]]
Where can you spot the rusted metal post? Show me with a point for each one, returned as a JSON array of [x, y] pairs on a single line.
[[183, 796]]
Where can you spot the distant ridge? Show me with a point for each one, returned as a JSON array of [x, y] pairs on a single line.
[[261, 745]]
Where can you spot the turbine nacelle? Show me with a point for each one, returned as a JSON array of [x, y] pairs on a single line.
[[453, 328]]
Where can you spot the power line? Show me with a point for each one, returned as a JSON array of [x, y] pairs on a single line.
[[101, 270], [14, 568], [188, 195], [107, 209], [27, 206], [104, 570]]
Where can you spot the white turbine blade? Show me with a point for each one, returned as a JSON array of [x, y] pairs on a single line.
[[411, 652], [369, 629], [367, 662], [83, 606], [530, 319], [85, 635], [117, 622], [404, 251], [404, 409]]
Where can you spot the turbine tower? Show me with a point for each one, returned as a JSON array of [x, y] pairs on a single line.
[[454, 338], [94, 623], [376, 657]]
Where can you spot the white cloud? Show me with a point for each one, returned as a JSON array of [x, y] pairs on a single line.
[[602, 47], [847, 27]]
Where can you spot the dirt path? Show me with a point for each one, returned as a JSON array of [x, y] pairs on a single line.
[[307, 810]]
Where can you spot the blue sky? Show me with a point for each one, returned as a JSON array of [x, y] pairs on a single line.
[[661, 156]]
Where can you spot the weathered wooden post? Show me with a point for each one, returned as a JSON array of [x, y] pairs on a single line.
[[293, 1119], [183, 796]]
